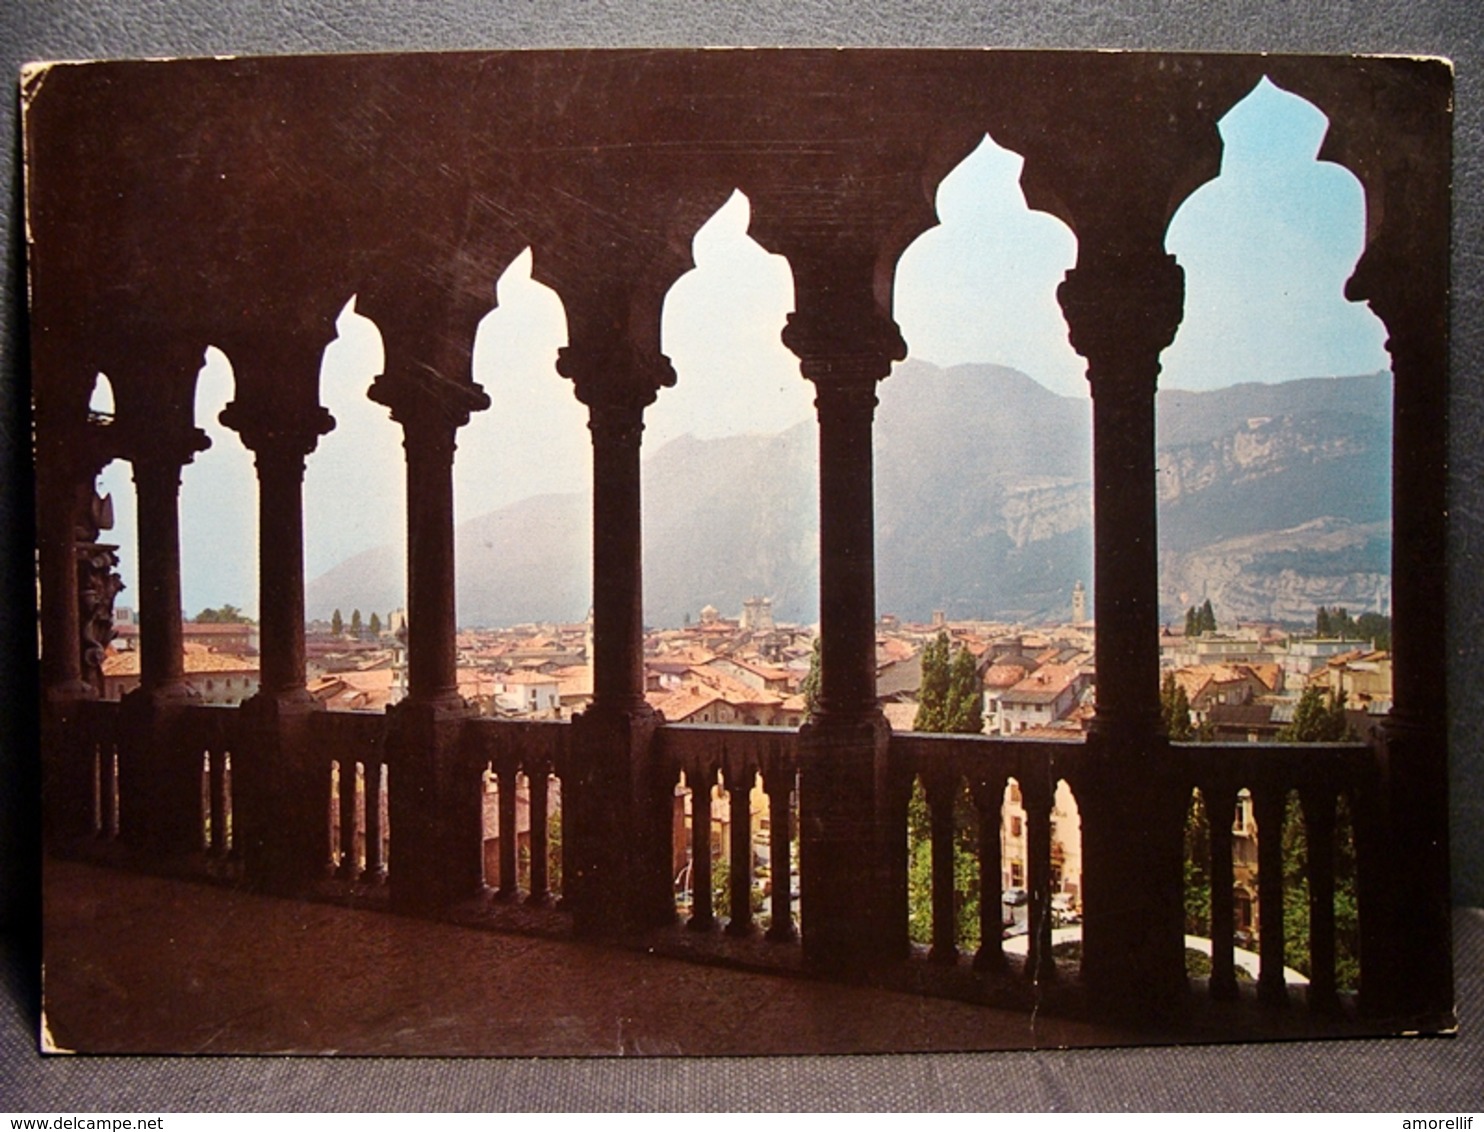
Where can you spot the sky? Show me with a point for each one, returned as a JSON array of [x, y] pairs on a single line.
[[1266, 248]]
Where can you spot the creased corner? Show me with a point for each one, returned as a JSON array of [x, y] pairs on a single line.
[[48, 1043]]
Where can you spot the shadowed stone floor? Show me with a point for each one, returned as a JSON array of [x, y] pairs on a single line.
[[148, 965]]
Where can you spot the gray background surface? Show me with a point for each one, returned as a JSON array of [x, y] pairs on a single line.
[[1431, 1075]]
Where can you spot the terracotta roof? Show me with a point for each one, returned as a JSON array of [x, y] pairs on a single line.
[[1271, 674], [681, 704], [1004, 675], [730, 688], [196, 661], [522, 676], [892, 649], [1043, 685]]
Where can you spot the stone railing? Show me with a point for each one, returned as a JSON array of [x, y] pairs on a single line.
[[156, 791]]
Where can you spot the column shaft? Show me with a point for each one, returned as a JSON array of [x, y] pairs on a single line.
[[1123, 303], [161, 639], [281, 570], [432, 654], [847, 561], [618, 556]]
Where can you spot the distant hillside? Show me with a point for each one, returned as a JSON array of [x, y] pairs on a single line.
[[1273, 498]]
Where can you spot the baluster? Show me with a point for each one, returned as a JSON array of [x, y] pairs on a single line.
[[1221, 807], [989, 800], [1037, 796], [739, 793], [349, 866], [359, 843], [115, 803], [1269, 805], [375, 806], [203, 796], [385, 813], [217, 783], [779, 785], [540, 890], [99, 821], [1319, 828], [332, 820], [702, 917], [505, 784], [939, 790]]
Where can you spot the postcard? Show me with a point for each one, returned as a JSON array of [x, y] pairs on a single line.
[[674, 552]]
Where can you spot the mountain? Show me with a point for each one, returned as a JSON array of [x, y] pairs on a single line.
[[1273, 499]]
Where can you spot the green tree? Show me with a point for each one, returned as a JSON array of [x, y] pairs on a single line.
[[1192, 622], [1174, 706], [355, 623], [1296, 894], [554, 849], [337, 623], [950, 700], [1321, 623], [932, 693], [1207, 622], [966, 881], [964, 711], [1376, 628], [810, 687], [226, 615], [374, 625], [1197, 868], [1318, 718]]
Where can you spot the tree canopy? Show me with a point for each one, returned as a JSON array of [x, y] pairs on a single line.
[[1369, 626], [1200, 619], [950, 698], [1174, 706], [810, 688], [226, 615], [1318, 718]]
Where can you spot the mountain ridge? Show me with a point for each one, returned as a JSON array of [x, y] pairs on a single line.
[[982, 509]]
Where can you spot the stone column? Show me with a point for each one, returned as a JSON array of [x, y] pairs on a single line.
[[159, 779], [1123, 302], [435, 793], [157, 474], [1408, 942], [852, 812], [278, 797], [620, 865], [618, 558]]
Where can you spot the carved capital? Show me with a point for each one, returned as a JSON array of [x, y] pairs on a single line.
[[836, 348], [1121, 311], [164, 452], [425, 400], [278, 439], [616, 373]]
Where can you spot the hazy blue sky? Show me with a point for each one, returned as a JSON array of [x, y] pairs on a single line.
[[1266, 248]]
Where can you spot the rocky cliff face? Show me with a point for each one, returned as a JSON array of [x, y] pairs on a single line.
[[1035, 511]]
